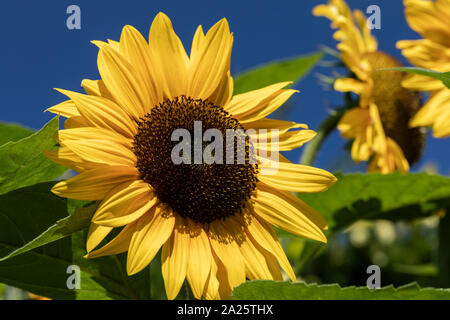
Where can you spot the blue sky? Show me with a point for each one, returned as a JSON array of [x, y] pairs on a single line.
[[39, 52]]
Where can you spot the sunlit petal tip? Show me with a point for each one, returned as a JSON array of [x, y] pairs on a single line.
[[63, 91], [98, 43], [59, 188], [223, 23], [161, 17]]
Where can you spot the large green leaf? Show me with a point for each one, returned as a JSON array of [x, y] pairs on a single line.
[[24, 214], [27, 213], [279, 290], [375, 196], [22, 163], [292, 69], [65, 227], [442, 76], [12, 132]]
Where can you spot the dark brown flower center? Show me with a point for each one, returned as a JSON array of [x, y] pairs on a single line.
[[197, 187], [396, 104]]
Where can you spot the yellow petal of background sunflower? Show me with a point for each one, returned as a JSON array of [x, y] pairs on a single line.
[[349, 84]]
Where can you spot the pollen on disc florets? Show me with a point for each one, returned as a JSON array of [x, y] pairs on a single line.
[[396, 104], [203, 192]]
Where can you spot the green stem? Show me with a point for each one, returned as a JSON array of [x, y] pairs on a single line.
[[313, 147], [444, 250]]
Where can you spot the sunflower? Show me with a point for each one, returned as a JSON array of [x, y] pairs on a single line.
[[431, 19], [379, 124], [212, 222]]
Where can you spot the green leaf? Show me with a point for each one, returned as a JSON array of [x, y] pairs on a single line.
[[78, 221], [28, 212], [22, 163], [12, 132], [421, 270], [292, 69], [24, 214], [279, 290], [393, 197], [2, 290], [443, 76]]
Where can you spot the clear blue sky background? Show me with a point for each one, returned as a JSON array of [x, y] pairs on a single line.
[[39, 53]]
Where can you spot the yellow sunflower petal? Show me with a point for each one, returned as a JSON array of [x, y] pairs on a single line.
[[297, 177], [211, 291], [265, 236], [103, 113], [169, 56], [349, 84], [122, 81], [226, 248], [89, 133], [77, 122], [256, 104], [152, 231], [68, 158], [125, 204], [117, 245], [174, 259], [96, 88], [66, 109], [281, 141], [135, 48], [102, 151], [436, 113], [222, 275], [96, 234], [255, 261], [200, 256], [210, 62], [287, 212], [224, 91], [354, 122], [94, 184], [270, 124]]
